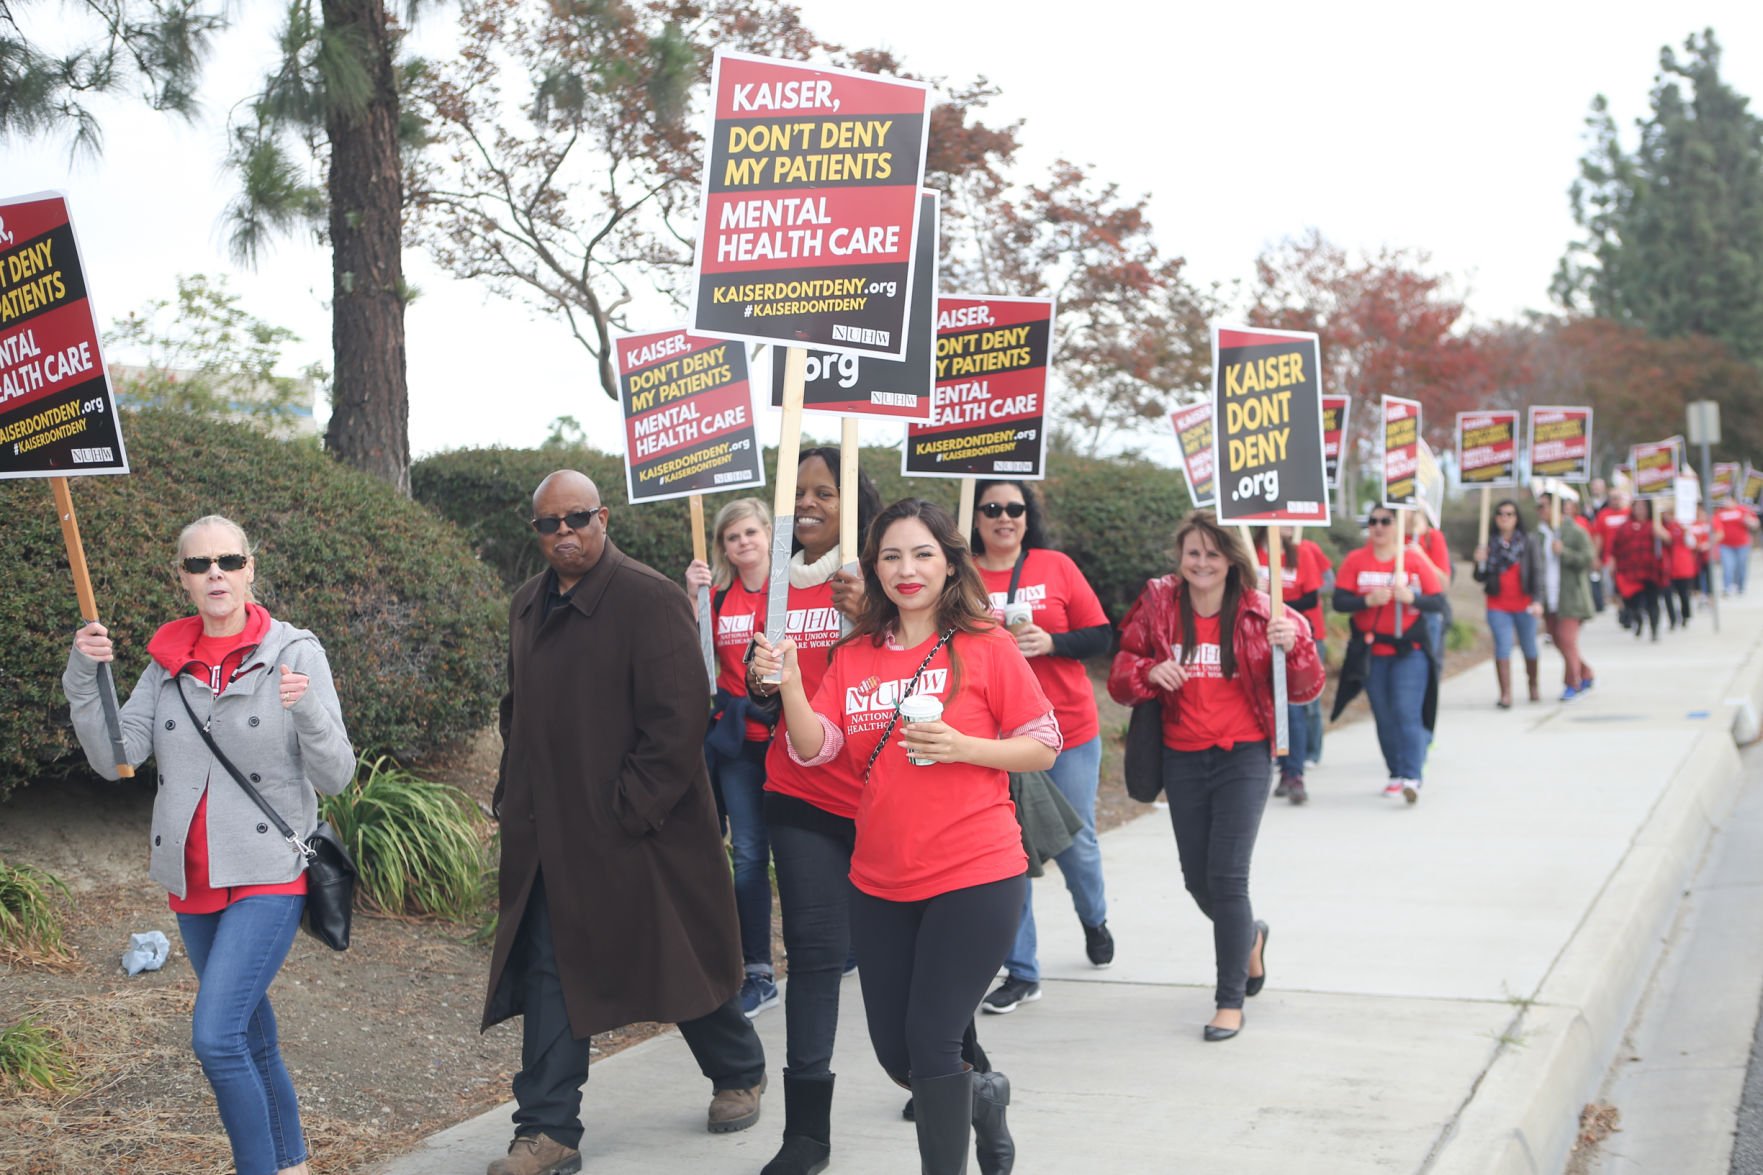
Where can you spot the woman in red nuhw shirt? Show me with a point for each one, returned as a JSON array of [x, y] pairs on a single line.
[[938, 866], [1200, 643]]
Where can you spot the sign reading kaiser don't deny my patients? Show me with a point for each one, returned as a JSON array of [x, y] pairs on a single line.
[[988, 414], [688, 415], [1267, 426]]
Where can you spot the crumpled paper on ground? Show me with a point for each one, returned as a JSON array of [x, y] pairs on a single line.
[[147, 952]]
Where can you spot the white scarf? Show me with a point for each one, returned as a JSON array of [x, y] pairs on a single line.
[[804, 574]]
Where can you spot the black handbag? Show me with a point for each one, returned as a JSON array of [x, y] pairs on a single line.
[[330, 870], [1143, 767]]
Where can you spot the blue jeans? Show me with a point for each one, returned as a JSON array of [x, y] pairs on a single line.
[[1397, 689], [236, 954], [1297, 740], [742, 780], [1509, 625], [1075, 773], [1735, 563]]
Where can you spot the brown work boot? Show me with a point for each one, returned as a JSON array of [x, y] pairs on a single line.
[[537, 1154], [735, 1109]]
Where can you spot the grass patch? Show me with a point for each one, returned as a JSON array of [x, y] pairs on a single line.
[[30, 920], [34, 1056], [419, 845]]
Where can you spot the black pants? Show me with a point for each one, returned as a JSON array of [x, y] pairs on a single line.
[[1682, 589], [812, 851], [1644, 603], [925, 968], [554, 1062], [1216, 798]]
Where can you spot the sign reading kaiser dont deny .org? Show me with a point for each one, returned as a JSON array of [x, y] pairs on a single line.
[[1267, 426]]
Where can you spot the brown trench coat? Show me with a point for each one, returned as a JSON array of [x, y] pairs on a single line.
[[603, 785]]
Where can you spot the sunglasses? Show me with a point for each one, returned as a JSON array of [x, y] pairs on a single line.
[[199, 564], [577, 520], [993, 509], [1379, 521]]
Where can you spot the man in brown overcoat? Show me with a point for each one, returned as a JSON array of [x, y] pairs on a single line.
[[617, 904]]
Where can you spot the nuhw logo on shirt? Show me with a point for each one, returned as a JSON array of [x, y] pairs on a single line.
[[874, 696], [1384, 579], [812, 627], [1206, 663], [734, 630]]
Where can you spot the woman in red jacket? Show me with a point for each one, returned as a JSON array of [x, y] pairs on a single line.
[[939, 868], [1200, 643]]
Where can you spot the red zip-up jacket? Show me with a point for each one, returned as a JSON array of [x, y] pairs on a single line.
[[1153, 624]]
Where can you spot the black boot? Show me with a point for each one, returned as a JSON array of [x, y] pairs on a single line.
[[808, 1108], [997, 1150], [943, 1112]]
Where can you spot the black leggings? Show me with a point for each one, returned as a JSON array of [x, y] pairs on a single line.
[[1682, 589], [1645, 601], [812, 850], [925, 966]]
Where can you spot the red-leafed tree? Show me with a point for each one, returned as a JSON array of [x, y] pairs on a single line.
[[1387, 327]]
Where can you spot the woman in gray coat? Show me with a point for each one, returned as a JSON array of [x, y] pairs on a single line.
[[264, 691]]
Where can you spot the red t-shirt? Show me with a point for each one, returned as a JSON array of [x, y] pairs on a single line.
[[1209, 710], [1604, 528], [1432, 543], [1585, 524], [1062, 601], [741, 615], [199, 896], [1703, 533], [1684, 551], [813, 623], [922, 831], [1734, 524], [1361, 572], [1297, 582], [1511, 597]]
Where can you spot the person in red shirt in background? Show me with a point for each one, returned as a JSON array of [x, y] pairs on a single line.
[[1637, 552], [1681, 564], [1200, 643], [1054, 614], [1703, 530], [1429, 540], [1610, 518], [938, 866], [1735, 523], [1509, 565], [1302, 570]]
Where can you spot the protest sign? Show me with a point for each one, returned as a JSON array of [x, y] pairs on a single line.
[[988, 412], [1334, 434], [1725, 479], [1429, 483], [57, 413], [688, 415], [842, 383], [1267, 426], [1193, 436], [1750, 490], [1487, 448], [1401, 452], [1655, 464], [811, 206], [1561, 443], [1686, 495]]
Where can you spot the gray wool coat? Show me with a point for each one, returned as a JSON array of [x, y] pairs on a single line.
[[286, 753]]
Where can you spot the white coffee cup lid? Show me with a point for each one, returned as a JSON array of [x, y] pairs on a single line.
[[921, 706]]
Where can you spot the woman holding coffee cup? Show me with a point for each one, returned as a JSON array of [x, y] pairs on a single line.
[[1057, 621], [938, 866]]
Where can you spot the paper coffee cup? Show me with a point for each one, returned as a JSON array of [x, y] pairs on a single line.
[[920, 708], [1018, 613]]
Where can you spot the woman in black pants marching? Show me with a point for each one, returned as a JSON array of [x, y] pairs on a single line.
[[938, 866], [1200, 643]]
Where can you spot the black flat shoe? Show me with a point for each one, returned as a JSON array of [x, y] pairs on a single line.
[[1213, 1034], [1257, 982]]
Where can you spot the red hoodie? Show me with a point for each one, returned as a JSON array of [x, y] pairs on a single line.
[[181, 647]]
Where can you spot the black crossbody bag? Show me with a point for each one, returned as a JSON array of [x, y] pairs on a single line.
[[330, 870]]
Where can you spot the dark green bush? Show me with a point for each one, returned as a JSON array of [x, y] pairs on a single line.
[[413, 625], [1115, 517]]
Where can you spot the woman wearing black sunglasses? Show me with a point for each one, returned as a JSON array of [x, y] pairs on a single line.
[[1057, 621], [238, 889]]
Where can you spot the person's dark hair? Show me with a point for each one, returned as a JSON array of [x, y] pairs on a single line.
[[1034, 531], [1288, 548], [868, 497], [1635, 507], [1238, 581], [1494, 527], [963, 604]]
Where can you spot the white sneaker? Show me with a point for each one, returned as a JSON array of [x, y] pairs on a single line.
[[1392, 789], [1410, 790]]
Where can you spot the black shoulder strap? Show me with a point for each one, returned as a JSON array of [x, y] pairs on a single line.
[[1016, 576], [275, 818]]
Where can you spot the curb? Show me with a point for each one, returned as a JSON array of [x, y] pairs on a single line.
[[1522, 1117]]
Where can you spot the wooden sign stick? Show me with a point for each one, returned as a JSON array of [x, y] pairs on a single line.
[[1555, 512], [1399, 576], [706, 641], [1276, 597], [849, 467], [783, 502], [964, 511], [82, 587], [1481, 536]]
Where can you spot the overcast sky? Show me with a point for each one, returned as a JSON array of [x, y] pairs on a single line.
[[1453, 129]]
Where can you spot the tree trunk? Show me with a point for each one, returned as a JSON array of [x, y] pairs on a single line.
[[370, 417]]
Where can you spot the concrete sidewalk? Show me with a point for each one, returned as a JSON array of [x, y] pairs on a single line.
[[1447, 983]]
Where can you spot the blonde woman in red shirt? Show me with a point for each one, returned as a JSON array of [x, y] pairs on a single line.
[[938, 866], [1200, 643]]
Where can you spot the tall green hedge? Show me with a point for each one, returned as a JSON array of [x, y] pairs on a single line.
[[1116, 517], [410, 620]]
